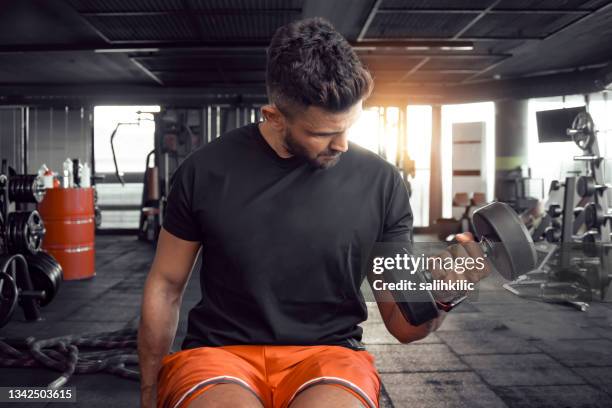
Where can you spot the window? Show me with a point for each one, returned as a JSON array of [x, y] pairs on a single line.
[[419, 147], [381, 130], [559, 156], [133, 140]]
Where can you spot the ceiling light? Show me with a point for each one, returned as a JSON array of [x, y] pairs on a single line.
[[124, 50], [417, 48], [413, 45], [457, 48]]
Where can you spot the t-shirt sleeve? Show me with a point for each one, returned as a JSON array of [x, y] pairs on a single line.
[[179, 219], [398, 219]]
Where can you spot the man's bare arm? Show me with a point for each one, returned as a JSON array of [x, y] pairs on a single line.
[[161, 301], [395, 322]]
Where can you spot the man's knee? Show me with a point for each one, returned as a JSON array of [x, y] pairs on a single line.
[[326, 395], [226, 395]]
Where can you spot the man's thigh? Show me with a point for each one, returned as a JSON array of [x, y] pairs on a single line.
[[326, 395], [226, 395], [346, 377], [226, 372]]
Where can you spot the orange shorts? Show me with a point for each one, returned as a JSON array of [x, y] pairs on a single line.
[[275, 374]]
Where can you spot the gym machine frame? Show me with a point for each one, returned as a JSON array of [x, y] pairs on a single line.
[[597, 200]]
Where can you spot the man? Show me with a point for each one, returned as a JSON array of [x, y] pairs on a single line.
[[282, 210]]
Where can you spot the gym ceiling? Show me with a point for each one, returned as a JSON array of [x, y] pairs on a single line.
[[426, 51]]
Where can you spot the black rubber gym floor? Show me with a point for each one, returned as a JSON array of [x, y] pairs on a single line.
[[497, 350]]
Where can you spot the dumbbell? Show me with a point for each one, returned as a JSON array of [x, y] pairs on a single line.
[[594, 216], [16, 289], [554, 210], [555, 185], [552, 234], [46, 275], [586, 187], [589, 246], [505, 242]]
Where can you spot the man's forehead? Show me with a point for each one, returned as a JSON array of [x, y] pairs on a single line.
[[316, 119]]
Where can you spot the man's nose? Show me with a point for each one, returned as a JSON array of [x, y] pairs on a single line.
[[340, 143]]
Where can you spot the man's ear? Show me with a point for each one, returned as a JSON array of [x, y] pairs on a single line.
[[274, 117]]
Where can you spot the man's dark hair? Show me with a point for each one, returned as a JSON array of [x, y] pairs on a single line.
[[311, 64]]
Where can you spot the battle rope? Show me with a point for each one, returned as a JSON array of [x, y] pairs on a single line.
[[84, 354]]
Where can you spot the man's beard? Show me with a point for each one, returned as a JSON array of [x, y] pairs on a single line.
[[324, 160]]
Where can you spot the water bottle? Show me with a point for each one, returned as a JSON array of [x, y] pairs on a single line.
[[67, 181], [85, 176]]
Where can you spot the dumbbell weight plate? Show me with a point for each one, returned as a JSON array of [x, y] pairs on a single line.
[[8, 297], [582, 130], [12, 243], [38, 189], [593, 215], [419, 312], [36, 231], [555, 185], [46, 275], [25, 232], [513, 252]]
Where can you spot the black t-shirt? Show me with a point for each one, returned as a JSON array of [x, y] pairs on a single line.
[[282, 241]]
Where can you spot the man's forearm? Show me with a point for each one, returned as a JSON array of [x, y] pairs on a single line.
[[406, 332], [394, 320], [157, 329]]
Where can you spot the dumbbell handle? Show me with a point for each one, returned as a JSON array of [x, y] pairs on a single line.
[[486, 245], [586, 186], [33, 294], [602, 186], [588, 158]]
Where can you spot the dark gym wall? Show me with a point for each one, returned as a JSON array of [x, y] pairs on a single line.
[[58, 133], [11, 119]]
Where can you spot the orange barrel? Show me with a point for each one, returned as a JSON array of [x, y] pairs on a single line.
[[68, 214]]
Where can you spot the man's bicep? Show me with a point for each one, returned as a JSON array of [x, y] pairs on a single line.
[[174, 259]]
